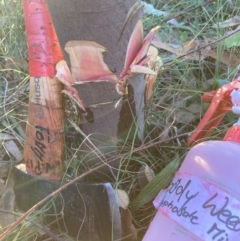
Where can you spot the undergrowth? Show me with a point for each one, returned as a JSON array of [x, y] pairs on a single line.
[[174, 111]]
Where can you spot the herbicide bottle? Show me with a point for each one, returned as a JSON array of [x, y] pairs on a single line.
[[202, 203]]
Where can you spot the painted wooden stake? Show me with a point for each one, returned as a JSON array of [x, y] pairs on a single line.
[[44, 144]]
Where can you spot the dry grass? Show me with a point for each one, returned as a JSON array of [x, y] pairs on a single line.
[[173, 112]]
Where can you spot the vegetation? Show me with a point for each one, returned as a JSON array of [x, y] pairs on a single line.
[[200, 52]]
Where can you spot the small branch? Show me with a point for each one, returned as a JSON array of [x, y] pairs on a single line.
[[38, 225], [188, 10], [196, 50], [31, 210], [181, 13]]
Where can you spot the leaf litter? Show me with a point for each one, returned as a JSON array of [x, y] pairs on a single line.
[[184, 113]]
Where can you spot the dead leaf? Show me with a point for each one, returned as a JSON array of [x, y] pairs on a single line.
[[228, 58], [135, 8], [185, 115], [154, 63], [122, 198], [232, 22], [186, 48], [149, 173], [153, 53], [161, 45], [142, 69], [200, 52], [130, 233], [13, 149], [145, 175], [22, 167]]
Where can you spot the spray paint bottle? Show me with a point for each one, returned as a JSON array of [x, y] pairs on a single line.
[[202, 203]]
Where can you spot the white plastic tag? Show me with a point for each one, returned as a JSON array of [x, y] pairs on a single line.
[[200, 207]]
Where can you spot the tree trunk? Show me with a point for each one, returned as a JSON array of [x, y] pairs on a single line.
[[107, 124]]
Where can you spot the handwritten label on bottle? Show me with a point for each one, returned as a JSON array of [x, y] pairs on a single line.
[[201, 207]]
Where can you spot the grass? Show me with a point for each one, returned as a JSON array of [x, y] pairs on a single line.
[[173, 113]]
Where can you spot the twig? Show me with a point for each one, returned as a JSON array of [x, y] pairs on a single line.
[[196, 50], [31, 210], [133, 10], [188, 10], [38, 225], [181, 13]]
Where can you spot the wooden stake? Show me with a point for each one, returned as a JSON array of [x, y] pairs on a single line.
[[44, 144]]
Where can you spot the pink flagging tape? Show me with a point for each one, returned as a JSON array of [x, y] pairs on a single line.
[[200, 207]]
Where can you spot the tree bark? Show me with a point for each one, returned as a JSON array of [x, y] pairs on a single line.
[[107, 125]]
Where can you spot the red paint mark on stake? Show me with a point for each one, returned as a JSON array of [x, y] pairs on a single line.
[[44, 48]]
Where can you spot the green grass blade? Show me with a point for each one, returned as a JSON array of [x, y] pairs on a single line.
[[162, 180]]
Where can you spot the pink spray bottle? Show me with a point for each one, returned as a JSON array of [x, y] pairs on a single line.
[[202, 203]]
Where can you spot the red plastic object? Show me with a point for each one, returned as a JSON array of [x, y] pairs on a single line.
[[220, 104], [233, 134], [43, 45]]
